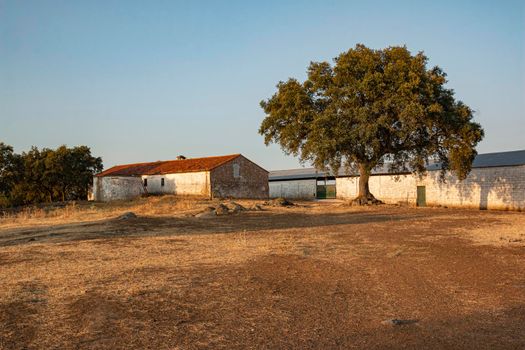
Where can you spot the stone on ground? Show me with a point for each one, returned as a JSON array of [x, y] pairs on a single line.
[[206, 214], [397, 322], [127, 215], [236, 207], [222, 210], [280, 202], [257, 207]]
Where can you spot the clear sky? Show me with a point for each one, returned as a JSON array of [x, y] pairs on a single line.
[[149, 80]]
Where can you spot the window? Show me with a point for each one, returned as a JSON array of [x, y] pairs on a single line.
[[236, 170], [162, 182], [145, 182]]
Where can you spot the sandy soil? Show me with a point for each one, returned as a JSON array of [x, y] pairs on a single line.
[[315, 276]]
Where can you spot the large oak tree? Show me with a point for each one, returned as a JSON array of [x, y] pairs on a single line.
[[371, 108]]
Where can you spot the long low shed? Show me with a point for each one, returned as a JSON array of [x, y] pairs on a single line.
[[497, 181], [231, 176]]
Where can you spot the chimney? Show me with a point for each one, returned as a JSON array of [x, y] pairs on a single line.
[[181, 157]]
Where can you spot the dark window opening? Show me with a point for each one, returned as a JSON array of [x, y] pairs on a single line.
[[162, 182], [145, 182]]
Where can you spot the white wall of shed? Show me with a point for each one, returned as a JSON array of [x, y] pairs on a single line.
[[486, 188], [298, 189], [187, 184], [110, 188]]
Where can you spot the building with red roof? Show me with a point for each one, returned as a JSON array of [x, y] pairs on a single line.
[[230, 176]]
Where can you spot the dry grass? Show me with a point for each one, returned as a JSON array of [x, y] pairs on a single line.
[[510, 231], [311, 276], [88, 211]]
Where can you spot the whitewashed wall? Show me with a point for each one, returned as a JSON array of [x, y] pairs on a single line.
[[298, 189], [486, 188], [110, 188], [387, 188], [187, 184]]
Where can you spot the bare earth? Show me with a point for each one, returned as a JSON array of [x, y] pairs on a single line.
[[314, 276]]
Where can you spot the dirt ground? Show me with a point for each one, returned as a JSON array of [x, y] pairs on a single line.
[[313, 276]]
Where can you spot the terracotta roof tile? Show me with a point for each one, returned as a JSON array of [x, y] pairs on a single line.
[[168, 167]]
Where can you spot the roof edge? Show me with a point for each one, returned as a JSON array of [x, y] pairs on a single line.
[[235, 155]]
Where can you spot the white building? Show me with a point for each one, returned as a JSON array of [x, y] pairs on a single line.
[[232, 176], [306, 183], [497, 181]]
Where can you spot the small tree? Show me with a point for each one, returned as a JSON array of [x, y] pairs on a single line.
[[370, 108]]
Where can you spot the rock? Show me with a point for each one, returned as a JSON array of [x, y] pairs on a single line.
[[206, 214], [236, 207], [283, 202], [127, 215], [397, 322], [279, 202], [222, 210], [235, 210], [257, 207]]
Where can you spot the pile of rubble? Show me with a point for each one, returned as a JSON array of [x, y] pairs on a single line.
[[228, 208], [279, 202]]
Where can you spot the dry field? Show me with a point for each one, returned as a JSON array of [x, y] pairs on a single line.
[[313, 276]]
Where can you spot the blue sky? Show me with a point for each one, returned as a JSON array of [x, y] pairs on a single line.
[[149, 80]]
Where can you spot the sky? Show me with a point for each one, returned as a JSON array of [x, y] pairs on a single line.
[[149, 80]]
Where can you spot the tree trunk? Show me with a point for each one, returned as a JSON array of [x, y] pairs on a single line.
[[365, 196]]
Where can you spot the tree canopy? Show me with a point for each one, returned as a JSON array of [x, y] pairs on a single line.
[[370, 108], [46, 175]]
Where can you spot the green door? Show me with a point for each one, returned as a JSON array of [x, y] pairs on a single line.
[[330, 191], [321, 191], [326, 191], [421, 200]]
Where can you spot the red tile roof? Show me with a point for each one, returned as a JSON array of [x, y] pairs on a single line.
[[168, 167]]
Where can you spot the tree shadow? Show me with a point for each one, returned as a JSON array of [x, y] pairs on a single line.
[[164, 226], [272, 302]]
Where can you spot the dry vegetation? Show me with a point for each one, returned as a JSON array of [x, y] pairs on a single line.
[[89, 211], [311, 276]]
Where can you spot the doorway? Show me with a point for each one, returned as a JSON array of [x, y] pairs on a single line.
[[421, 200], [326, 189]]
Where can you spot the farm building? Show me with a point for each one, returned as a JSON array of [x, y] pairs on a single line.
[[231, 176], [497, 181], [306, 183]]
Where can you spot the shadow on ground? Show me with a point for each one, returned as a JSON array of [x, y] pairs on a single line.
[[278, 301], [148, 226]]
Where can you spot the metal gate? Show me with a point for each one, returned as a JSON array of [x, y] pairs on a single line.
[[326, 191]]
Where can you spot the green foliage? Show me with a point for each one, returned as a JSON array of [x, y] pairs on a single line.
[[372, 107], [10, 166], [46, 175]]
